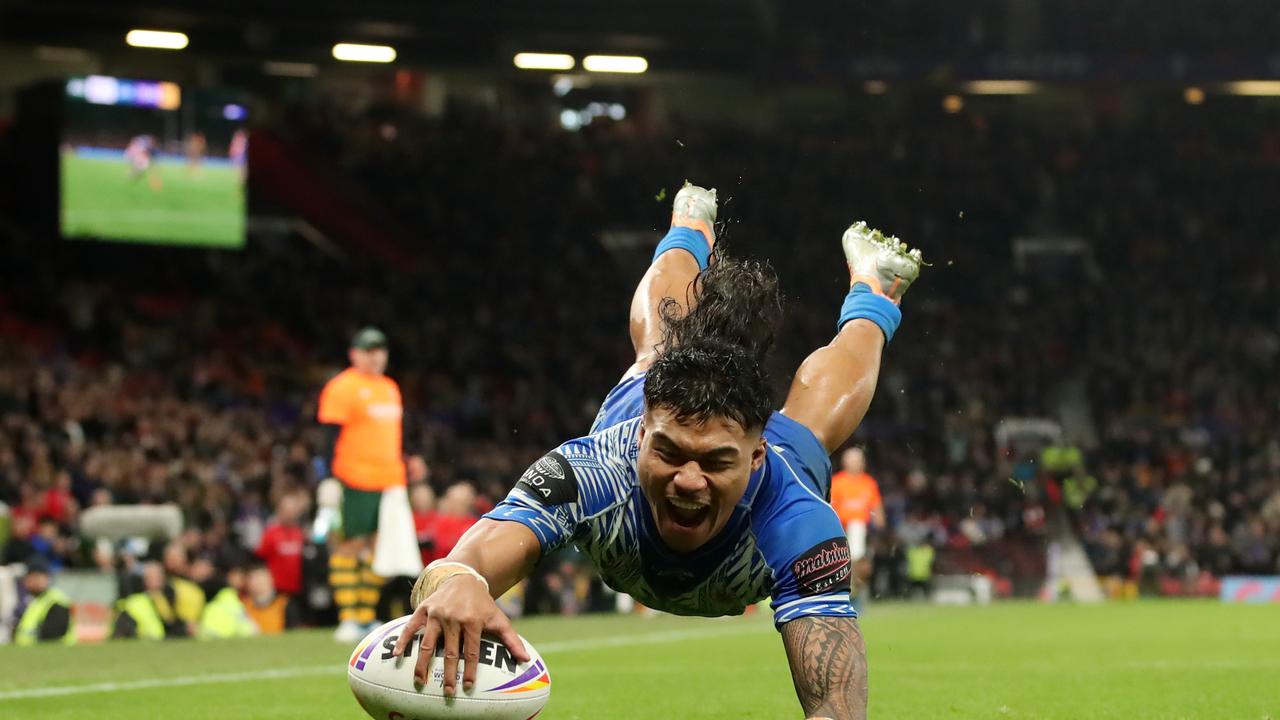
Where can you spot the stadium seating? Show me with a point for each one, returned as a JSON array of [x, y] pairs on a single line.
[[165, 375]]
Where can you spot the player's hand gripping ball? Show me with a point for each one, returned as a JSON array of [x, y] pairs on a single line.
[[504, 690]]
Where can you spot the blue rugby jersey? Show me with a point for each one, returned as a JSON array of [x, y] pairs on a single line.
[[783, 540]]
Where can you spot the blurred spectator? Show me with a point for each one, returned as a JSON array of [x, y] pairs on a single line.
[[176, 561], [152, 614], [282, 544], [920, 569], [46, 616], [188, 597], [422, 499], [205, 574], [49, 544], [19, 549], [224, 614], [856, 499], [456, 515], [266, 608]]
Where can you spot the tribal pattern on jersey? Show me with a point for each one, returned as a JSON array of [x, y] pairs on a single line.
[[783, 540]]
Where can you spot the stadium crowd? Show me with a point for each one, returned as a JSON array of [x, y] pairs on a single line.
[[149, 375]]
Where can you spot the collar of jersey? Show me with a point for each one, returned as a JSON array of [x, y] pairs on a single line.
[[756, 481]]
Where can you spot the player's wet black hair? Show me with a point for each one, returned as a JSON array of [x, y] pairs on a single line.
[[706, 378], [735, 301], [711, 364]]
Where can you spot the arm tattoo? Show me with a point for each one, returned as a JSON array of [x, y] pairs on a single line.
[[828, 666]]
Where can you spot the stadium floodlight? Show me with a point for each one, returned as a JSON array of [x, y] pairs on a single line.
[[543, 61], [615, 63], [1256, 88], [1001, 87], [355, 52], [159, 39]]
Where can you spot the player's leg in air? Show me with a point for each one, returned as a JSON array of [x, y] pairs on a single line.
[[736, 301], [830, 395], [664, 289], [834, 386], [665, 292]]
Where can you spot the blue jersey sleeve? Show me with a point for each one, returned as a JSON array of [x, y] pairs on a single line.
[[798, 532], [805, 454], [577, 481], [545, 500]]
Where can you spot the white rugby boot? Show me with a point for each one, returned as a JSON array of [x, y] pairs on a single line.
[[695, 207], [883, 263]]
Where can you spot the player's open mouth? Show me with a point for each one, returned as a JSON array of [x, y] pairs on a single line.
[[685, 513]]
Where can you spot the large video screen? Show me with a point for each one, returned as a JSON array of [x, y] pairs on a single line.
[[146, 162]]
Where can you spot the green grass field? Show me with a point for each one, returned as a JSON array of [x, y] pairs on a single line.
[[99, 200], [1131, 661]]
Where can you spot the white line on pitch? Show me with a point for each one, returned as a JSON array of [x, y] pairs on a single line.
[[333, 669], [628, 640], [108, 687]]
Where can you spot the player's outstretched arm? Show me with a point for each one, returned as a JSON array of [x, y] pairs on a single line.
[[503, 552], [834, 386], [454, 598], [828, 666], [681, 255]]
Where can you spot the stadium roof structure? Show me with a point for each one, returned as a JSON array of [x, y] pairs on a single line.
[[688, 33], [778, 39]]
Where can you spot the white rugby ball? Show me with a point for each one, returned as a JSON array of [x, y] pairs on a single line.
[[504, 690]]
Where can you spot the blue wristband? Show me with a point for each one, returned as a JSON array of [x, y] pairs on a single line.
[[862, 303], [688, 239]]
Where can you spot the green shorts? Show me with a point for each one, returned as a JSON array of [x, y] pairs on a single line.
[[359, 512]]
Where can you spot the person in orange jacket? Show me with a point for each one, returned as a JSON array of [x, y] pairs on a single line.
[[856, 499]]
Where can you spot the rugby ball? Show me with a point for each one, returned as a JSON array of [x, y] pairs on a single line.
[[384, 685]]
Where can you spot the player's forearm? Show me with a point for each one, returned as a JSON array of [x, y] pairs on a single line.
[[668, 277], [834, 386], [828, 667], [503, 552]]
